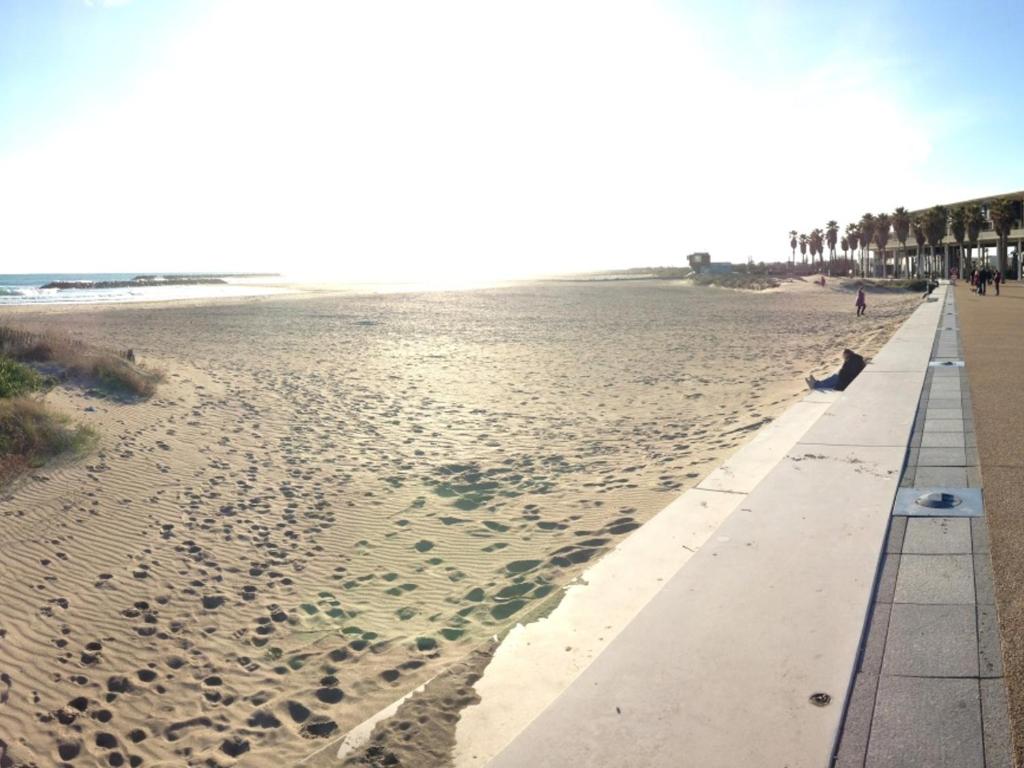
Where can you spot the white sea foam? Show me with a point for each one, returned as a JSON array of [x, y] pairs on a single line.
[[18, 294]]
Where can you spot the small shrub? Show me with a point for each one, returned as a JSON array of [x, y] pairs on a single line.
[[31, 434], [913, 284], [118, 374], [17, 379]]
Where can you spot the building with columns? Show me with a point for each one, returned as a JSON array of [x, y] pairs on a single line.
[[950, 253]]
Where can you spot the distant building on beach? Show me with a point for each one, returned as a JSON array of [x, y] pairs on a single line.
[[700, 263]]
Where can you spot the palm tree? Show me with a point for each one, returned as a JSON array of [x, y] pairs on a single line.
[[831, 235], [882, 223], [815, 244], [935, 228], [867, 232], [844, 246], [852, 239], [792, 243], [975, 222], [917, 226], [958, 226], [901, 228], [1003, 216], [803, 248]]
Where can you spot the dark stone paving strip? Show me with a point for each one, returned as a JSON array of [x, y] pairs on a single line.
[[929, 689]]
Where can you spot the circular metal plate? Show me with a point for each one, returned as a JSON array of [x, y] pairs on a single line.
[[938, 500]]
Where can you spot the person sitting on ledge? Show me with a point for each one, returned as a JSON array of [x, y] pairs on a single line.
[[853, 364]]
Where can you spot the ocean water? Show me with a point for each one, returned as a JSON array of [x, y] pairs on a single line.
[[28, 290]]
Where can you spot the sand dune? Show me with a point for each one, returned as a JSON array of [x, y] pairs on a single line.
[[334, 498]]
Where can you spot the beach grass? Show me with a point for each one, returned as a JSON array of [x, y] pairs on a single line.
[[32, 434], [737, 280], [17, 379], [109, 370]]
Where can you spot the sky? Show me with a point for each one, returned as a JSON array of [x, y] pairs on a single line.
[[407, 140]]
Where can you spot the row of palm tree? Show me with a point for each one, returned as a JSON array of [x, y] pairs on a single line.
[[815, 243], [930, 227]]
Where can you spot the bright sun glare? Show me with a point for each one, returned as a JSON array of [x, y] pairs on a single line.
[[450, 141]]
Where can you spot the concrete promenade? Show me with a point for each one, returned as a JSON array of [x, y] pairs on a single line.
[[929, 689], [992, 331], [747, 653]]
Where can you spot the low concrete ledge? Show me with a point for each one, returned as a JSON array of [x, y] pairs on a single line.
[[537, 662], [714, 663], [719, 668], [749, 466], [876, 410]]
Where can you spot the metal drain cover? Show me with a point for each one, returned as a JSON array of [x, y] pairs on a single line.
[[938, 500]]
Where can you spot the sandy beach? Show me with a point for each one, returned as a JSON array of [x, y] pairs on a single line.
[[332, 498]]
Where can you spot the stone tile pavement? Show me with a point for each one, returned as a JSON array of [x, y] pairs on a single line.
[[929, 692]]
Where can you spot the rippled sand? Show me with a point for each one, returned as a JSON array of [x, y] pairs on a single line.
[[335, 497]]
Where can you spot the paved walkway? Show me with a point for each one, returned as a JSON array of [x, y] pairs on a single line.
[[929, 690], [993, 332]]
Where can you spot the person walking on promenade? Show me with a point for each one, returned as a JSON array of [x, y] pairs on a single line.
[[982, 277], [853, 364], [997, 278], [861, 304], [974, 281]]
